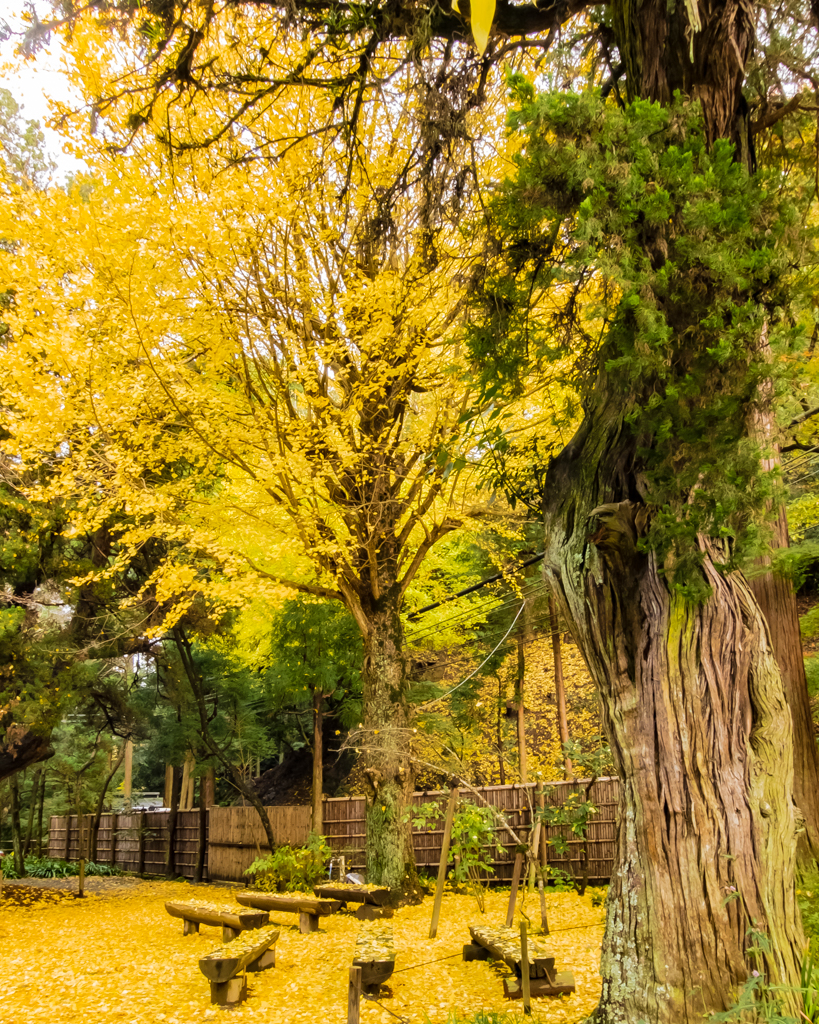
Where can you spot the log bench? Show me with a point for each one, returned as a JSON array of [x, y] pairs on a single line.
[[309, 909], [228, 919], [375, 955], [374, 895], [504, 944], [224, 967]]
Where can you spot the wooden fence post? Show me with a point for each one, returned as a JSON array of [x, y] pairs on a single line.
[[354, 996], [524, 967], [80, 856], [67, 837], [141, 851], [513, 894], [439, 887], [114, 820]]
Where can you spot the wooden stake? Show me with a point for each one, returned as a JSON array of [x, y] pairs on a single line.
[[354, 996], [168, 785], [439, 887], [513, 895], [186, 774], [129, 768], [524, 967]]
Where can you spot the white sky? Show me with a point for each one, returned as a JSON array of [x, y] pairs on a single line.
[[32, 80]]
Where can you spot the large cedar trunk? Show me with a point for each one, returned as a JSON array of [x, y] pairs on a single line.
[[777, 600], [695, 712], [389, 772], [20, 747]]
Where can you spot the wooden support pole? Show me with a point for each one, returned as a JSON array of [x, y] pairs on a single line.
[[513, 894], [560, 689], [524, 967], [439, 887], [186, 774], [129, 774], [67, 851], [354, 997]]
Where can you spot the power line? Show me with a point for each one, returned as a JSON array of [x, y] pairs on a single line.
[[475, 613], [476, 586]]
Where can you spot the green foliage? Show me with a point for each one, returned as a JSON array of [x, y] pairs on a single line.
[[22, 145], [46, 867], [647, 265], [291, 868], [807, 895], [472, 845]]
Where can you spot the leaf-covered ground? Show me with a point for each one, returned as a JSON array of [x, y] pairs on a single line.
[[118, 956]]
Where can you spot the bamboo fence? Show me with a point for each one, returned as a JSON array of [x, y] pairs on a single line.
[[235, 838], [344, 827]]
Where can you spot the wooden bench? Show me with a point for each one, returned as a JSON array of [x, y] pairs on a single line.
[[371, 897], [375, 955], [228, 919], [504, 944], [250, 952], [309, 909]]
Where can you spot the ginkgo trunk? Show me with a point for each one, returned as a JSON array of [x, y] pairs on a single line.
[[387, 754]]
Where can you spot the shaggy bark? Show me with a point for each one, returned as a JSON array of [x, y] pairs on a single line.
[[695, 712], [21, 747], [777, 600]]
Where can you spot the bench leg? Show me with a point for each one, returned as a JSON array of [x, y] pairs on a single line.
[[267, 959], [190, 928], [229, 993], [366, 912], [228, 933], [308, 922], [472, 951]]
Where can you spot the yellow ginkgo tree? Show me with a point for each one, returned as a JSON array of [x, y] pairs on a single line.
[[258, 363]]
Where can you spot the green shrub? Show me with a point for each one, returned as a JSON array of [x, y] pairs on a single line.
[[291, 868], [46, 867], [807, 895]]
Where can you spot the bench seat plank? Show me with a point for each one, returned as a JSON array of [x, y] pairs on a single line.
[[504, 944], [349, 893], [228, 960], [218, 916], [291, 904], [374, 953]]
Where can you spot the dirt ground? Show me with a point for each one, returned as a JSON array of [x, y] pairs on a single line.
[[118, 956]]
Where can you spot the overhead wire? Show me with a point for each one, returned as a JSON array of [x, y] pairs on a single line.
[[475, 671], [476, 613]]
